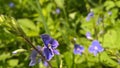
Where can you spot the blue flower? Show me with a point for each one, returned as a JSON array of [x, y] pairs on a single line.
[[11, 4], [91, 14], [50, 46], [48, 53], [78, 49], [58, 11], [95, 47], [33, 56], [45, 63], [109, 13], [88, 36], [48, 40]]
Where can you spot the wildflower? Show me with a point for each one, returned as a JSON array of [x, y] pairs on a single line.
[[50, 46], [95, 47], [91, 14], [48, 40], [109, 13], [58, 11], [45, 63], [48, 53], [88, 36], [33, 56], [11, 4], [78, 49]]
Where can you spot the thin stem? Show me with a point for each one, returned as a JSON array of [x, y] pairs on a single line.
[[40, 52], [43, 19], [73, 62]]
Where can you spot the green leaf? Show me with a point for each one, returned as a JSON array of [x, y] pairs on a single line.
[[106, 60], [68, 59], [29, 27], [117, 3], [13, 62], [110, 38], [109, 5], [60, 3], [4, 56]]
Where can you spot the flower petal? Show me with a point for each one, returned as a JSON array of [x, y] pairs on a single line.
[[89, 16], [56, 52], [48, 53], [32, 62], [95, 47], [78, 49], [46, 39], [45, 63], [54, 44]]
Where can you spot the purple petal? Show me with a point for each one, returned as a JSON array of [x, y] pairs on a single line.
[[45, 63], [54, 44], [89, 16], [95, 53], [48, 53], [33, 56], [100, 49], [39, 60], [95, 47], [78, 49], [109, 13], [46, 39], [32, 62], [57, 10], [88, 35], [56, 52], [95, 43], [11, 4]]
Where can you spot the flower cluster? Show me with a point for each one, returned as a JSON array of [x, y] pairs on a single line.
[[48, 50], [94, 48]]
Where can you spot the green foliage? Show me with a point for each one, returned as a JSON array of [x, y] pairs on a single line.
[[31, 18]]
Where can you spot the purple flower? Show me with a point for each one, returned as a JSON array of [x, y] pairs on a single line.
[[48, 53], [91, 14], [48, 40], [78, 49], [109, 13], [88, 36], [45, 63], [58, 11], [50, 46], [11, 4], [33, 56], [95, 47]]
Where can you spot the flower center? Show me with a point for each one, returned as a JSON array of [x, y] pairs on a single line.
[[96, 48], [49, 45], [78, 49]]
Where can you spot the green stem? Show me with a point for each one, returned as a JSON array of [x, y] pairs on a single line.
[[39, 10], [40, 52], [43, 19], [73, 61]]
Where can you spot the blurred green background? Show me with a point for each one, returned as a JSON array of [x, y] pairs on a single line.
[[63, 20]]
